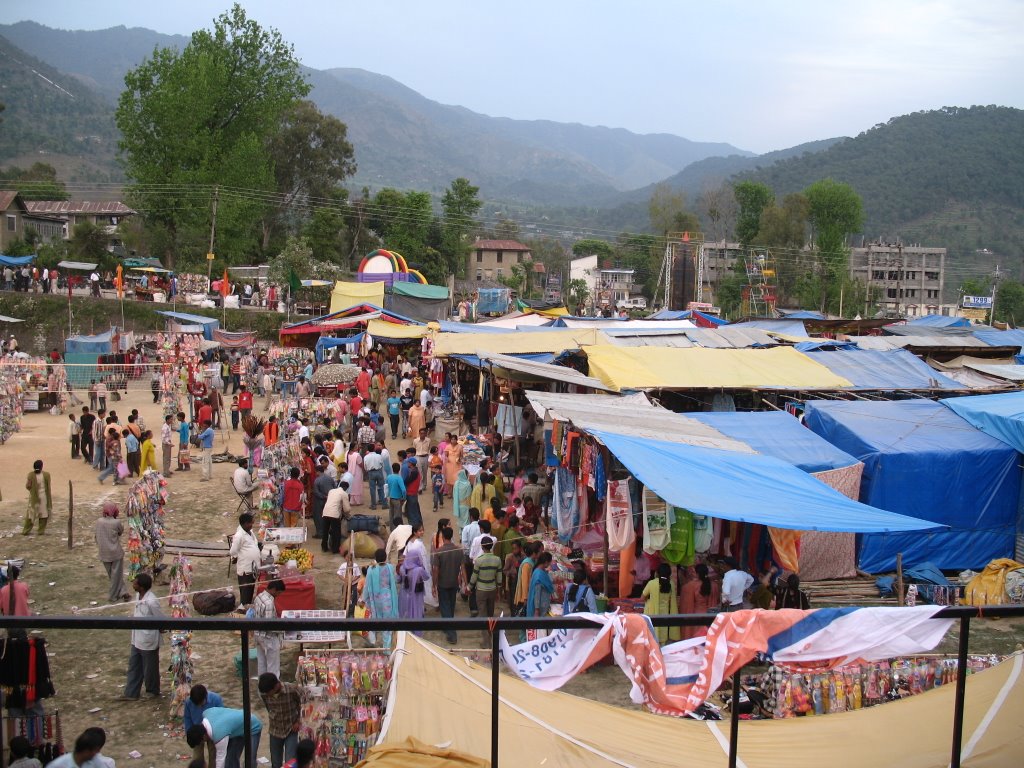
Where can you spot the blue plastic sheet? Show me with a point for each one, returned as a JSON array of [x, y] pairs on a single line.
[[873, 369], [779, 435], [921, 459], [1011, 338], [492, 301], [100, 344], [326, 343], [746, 487], [941, 321], [999, 416], [786, 327], [16, 261]]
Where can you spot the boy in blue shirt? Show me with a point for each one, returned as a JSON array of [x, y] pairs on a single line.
[[396, 492], [226, 723], [206, 443], [184, 460], [199, 700], [134, 450]]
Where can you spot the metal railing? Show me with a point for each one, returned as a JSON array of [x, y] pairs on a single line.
[[243, 626]]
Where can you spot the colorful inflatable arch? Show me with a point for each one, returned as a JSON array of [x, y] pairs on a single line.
[[382, 262]]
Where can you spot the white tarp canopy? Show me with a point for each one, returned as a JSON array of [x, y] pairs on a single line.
[[632, 415], [82, 265]]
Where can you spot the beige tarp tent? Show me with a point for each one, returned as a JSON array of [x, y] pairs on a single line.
[[441, 699]]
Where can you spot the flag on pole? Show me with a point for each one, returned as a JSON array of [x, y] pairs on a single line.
[[225, 289], [293, 281], [119, 281]]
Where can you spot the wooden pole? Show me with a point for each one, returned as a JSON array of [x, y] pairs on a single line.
[[899, 578], [71, 514]]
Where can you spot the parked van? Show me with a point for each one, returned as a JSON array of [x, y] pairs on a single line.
[[633, 302]]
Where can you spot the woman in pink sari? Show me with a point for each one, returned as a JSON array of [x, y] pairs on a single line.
[[355, 466]]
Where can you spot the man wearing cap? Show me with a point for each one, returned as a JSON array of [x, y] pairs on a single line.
[[486, 580]]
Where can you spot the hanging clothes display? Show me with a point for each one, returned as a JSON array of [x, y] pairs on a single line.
[[680, 549], [44, 733], [24, 672], [182, 666], [564, 505], [656, 522], [619, 516]]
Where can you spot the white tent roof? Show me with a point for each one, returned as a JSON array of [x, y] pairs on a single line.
[[632, 415]]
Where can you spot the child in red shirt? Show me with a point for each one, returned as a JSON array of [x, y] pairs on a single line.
[[294, 491]]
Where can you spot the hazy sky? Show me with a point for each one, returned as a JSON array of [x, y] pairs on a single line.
[[760, 75]]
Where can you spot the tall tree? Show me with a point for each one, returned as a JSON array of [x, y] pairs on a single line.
[[591, 246], [311, 156], [716, 204], [201, 117], [38, 182], [752, 197], [667, 211], [784, 228], [460, 204], [835, 211]]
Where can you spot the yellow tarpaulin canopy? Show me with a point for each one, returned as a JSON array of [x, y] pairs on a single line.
[[515, 343], [386, 330], [698, 368], [347, 295], [443, 699]]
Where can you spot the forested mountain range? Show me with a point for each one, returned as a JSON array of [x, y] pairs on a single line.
[[951, 177], [406, 140]]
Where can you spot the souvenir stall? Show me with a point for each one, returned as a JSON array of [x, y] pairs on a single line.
[[346, 693], [43, 385], [290, 566], [181, 667], [615, 464], [313, 408], [145, 513], [178, 355], [272, 472]]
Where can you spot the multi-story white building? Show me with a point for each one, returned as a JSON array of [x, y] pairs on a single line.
[[901, 280]]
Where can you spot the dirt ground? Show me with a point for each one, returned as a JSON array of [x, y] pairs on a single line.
[[89, 667]]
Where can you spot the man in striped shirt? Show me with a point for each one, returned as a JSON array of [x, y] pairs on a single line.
[[486, 580]]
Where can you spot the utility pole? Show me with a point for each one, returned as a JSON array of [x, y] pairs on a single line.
[[213, 234], [995, 285]]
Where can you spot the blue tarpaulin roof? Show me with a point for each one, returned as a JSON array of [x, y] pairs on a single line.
[[101, 344], [921, 459], [16, 261], [191, 319], [746, 487], [328, 342], [811, 346], [787, 327], [1000, 416], [449, 326], [1011, 338], [779, 435], [804, 314], [872, 369], [940, 321]]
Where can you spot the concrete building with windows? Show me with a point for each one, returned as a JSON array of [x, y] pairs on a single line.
[[901, 280], [490, 260]]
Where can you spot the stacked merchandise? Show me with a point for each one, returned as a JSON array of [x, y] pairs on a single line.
[[473, 453], [855, 686], [314, 408], [188, 283], [346, 694], [330, 375], [181, 648], [146, 500]]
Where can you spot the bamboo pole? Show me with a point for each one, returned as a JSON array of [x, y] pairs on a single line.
[[71, 514], [899, 578]]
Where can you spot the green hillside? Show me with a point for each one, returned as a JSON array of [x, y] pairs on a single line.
[[952, 177], [51, 117]]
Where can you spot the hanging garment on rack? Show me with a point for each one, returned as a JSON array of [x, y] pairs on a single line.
[[703, 533], [599, 485], [619, 516], [680, 548], [24, 672], [656, 525], [564, 504]]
